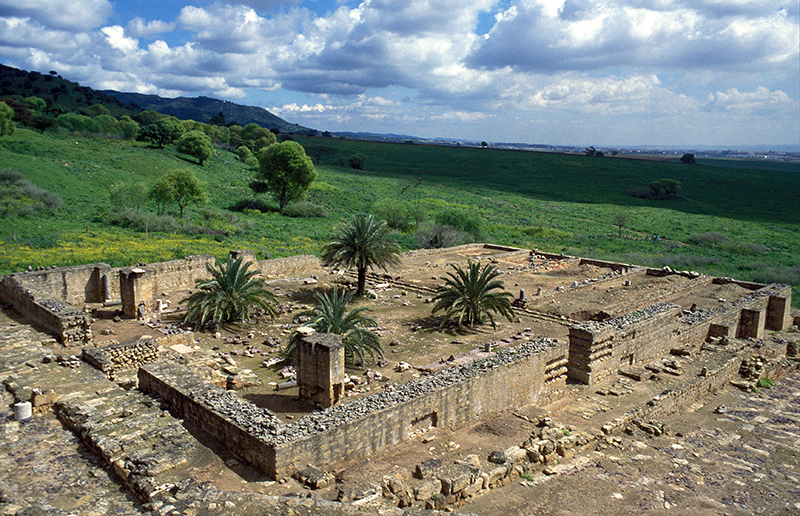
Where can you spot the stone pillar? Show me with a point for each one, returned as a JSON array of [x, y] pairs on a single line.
[[320, 367], [779, 312], [751, 324], [135, 288], [246, 255]]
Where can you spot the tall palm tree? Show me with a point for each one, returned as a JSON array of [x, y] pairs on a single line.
[[363, 243], [230, 294], [467, 295], [331, 316]]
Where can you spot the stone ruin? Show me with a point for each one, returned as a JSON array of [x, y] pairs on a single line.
[[534, 371]]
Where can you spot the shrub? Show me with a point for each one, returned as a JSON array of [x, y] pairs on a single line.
[[436, 236], [19, 197], [462, 220], [357, 161], [710, 238], [398, 214], [765, 383], [253, 204]]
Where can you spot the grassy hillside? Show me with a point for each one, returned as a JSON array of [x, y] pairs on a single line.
[[732, 221]]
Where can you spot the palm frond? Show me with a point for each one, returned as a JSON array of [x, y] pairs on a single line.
[[229, 294], [467, 296], [331, 316]]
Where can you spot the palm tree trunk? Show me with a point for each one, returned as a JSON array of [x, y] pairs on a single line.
[[362, 280]]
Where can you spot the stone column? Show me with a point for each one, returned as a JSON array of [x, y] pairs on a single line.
[[320, 367]]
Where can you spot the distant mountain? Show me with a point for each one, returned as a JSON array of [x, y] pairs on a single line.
[[203, 109], [56, 90]]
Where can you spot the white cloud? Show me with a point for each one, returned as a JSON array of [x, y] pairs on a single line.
[[140, 28], [59, 14]]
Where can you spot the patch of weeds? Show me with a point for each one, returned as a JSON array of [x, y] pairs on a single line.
[[527, 476], [765, 383], [566, 432]]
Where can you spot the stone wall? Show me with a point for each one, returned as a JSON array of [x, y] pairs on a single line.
[[599, 349], [291, 266], [71, 326], [120, 357], [533, 372], [74, 285]]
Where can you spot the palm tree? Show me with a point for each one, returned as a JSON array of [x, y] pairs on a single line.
[[362, 242], [331, 317], [228, 295], [467, 295]]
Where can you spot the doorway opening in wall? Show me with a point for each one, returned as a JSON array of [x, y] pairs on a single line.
[[424, 423]]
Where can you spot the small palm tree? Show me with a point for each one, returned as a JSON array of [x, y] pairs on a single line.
[[331, 316], [467, 295], [363, 243], [228, 295]]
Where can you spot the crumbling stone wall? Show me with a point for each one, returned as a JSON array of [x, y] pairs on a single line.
[[597, 350], [70, 325], [120, 357], [453, 398]]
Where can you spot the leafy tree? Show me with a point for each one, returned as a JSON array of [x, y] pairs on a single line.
[[132, 196], [465, 221], [688, 159], [128, 128], [197, 144], [331, 316], [253, 132], [265, 141], [156, 133], [467, 295], [230, 294], [284, 171], [43, 122], [357, 161], [36, 103], [620, 219], [363, 243], [6, 120], [179, 186], [665, 188]]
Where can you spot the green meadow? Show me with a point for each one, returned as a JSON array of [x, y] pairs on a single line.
[[736, 219]]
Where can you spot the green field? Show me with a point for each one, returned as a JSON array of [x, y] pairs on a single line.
[[737, 220]]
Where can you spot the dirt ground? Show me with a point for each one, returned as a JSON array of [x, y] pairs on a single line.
[[408, 330]]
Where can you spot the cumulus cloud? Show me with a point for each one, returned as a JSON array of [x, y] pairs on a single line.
[[582, 35], [59, 14], [140, 28], [421, 63]]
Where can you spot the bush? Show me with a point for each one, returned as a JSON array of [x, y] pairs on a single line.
[[253, 204], [304, 209], [436, 236], [709, 239], [357, 161], [19, 197], [464, 221], [398, 214], [143, 221]]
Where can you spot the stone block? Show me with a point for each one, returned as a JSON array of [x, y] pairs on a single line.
[[313, 477], [427, 489], [516, 454], [455, 478], [427, 470], [494, 476], [45, 398]]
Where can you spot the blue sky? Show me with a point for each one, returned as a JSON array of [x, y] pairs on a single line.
[[576, 72]]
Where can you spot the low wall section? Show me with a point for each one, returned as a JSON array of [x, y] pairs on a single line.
[[120, 357], [598, 350], [71, 326], [457, 396]]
